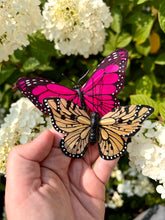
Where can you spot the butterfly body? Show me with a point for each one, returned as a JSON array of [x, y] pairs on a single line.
[[81, 129], [80, 95], [94, 130]]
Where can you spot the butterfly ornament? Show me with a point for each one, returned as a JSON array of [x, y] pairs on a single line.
[[81, 129], [107, 124]]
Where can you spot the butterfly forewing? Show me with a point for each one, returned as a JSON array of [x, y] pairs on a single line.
[[36, 89], [127, 120], [67, 117], [118, 57], [106, 82]]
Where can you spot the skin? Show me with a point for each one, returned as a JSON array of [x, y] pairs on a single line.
[[43, 183]]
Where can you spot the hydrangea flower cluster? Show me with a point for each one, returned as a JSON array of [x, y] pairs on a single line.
[[147, 153], [77, 27], [23, 123], [116, 201], [138, 185], [130, 182], [19, 18]]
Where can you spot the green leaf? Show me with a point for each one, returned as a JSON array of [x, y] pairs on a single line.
[[117, 20], [160, 60], [123, 39], [144, 48], [6, 96], [30, 65], [148, 64], [144, 100], [91, 65], [154, 80], [128, 89], [141, 1], [14, 77], [17, 56], [162, 110], [45, 67], [110, 44], [41, 48], [133, 54], [120, 2], [161, 15], [156, 4], [141, 26], [6, 72], [144, 86]]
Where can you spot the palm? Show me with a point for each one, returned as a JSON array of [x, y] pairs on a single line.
[[58, 187]]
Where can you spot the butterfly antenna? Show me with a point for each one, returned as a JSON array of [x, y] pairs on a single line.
[[83, 77], [69, 78]]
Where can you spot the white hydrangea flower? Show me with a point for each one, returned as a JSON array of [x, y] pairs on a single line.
[[125, 188], [161, 135], [147, 153], [161, 189], [23, 123], [116, 173], [19, 18], [77, 27], [139, 186], [115, 202], [131, 183]]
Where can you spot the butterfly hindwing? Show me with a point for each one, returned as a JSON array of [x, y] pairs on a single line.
[[115, 125], [73, 145], [69, 118], [110, 144]]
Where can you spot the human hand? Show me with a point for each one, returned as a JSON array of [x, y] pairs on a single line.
[[44, 184]]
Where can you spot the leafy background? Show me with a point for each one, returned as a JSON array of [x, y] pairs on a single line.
[[139, 27]]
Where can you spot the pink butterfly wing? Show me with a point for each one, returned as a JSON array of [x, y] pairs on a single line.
[[36, 89], [99, 92], [106, 82]]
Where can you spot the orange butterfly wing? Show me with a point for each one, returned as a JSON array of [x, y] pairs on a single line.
[[69, 118], [122, 122]]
